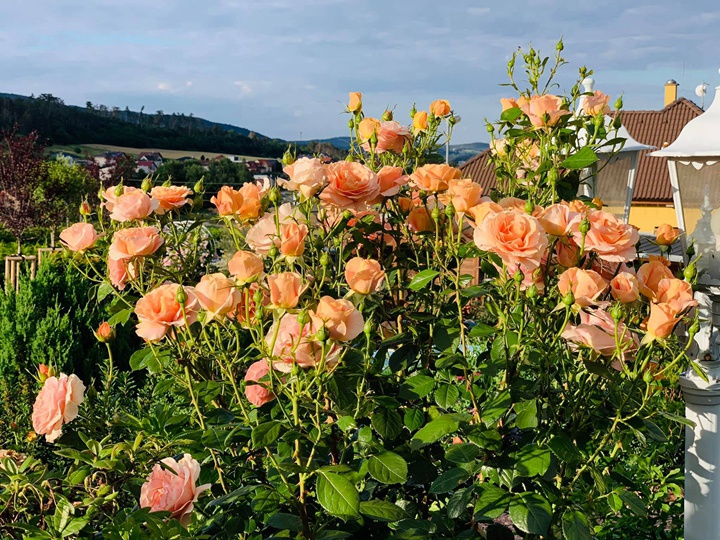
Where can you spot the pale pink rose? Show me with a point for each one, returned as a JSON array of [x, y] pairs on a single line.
[[131, 205], [307, 175], [170, 198], [342, 319], [120, 272], [364, 276], [217, 295], [596, 104], [517, 238], [109, 198], [433, 177], [251, 206], [391, 137], [586, 285], [292, 239], [391, 179], [610, 238], [256, 392], [246, 267], [159, 310], [463, 193], [173, 488], [556, 219], [543, 111], [351, 185], [597, 331], [57, 404], [649, 276], [135, 242], [79, 237], [264, 234], [677, 293], [292, 343], [625, 288], [285, 289]]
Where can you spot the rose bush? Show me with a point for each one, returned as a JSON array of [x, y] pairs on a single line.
[[345, 377]]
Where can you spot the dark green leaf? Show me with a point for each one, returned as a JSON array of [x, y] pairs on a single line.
[[422, 279], [575, 526], [383, 511], [458, 502], [449, 480], [266, 434], [677, 418], [387, 423], [285, 522], [532, 460], [635, 503], [492, 501], [654, 431], [388, 468], [417, 387], [493, 409], [434, 431], [531, 513], [462, 453], [414, 419], [401, 357], [446, 396], [564, 448], [338, 496], [580, 160], [526, 414], [103, 291], [482, 330]]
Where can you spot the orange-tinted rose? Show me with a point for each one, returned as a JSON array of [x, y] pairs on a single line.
[[625, 287], [610, 238], [79, 237], [479, 211], [391, 179], [517, 238], [292, 239], [246, 267], [464, 194], [105, 332], [434, 177], [217, 295], [251, 206], [440, 107], [420, 220], [666, 234], [170, 197], [420, 121], [57, 404], [228, 201], [256, 392], [367, 128], [110, 198], [120, 271], [661, 322], [508, 103], [556, 219], [545, 110], [355, 102], [677, 293], [391, 137], [342, 319], [567, 253], [264, 234], [285, 289], [649, 276], [364, 276], [132, 205], [586, 285], [351, 185], [135, 242], [159, 310], [307, 175], [596, 104]]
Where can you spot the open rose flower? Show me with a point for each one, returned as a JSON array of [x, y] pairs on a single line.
[[666, 234], [596, 104], [246, 267], [463, 193], [661, 322], [479, 211], [556, 219], [159, 310], [120, 271], [342, 319], [517, 238], [677, 293], [293, 343], [364, 276], [649, 276], [173, 488], [543, 111], [131, 205], [420, 220], [110, 197], [434, 177], [420, 122], [292, 239], [307, 175], [79, 237], [585, 285], [625, 287], [566, 253], [228, 201], [57, 404], [170, 197], [285, 289], [597, 331], [508, 103], [367, 128], [251, 206], [440, 107], [610, 238], [217, 295], [391, 137], [256, 392], [264, 234], [135, 242], [351, 185], [391, 179]]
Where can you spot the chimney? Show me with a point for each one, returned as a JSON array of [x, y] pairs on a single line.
[[670, 92]]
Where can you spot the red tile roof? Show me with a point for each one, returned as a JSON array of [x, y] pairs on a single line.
[[654, 128]]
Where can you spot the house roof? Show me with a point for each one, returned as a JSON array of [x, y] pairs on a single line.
[[654, 128]]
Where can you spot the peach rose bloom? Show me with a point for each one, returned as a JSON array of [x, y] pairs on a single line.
[[364, 276], [518, 205], [517, 238], [170, 197], [351, 185], [391, 137], [666, 234], [508, 103], [246, 267], [479, 211], [391, 179], [367, 128], [257, 393], [173, 488], [57, 404], [342, 319], [661, 322], [79, 237], [434, 177], [120, 271], [625, 288], [135, 242], [355, 102], [420, 122], [292, 239], [296, 344], [228, 201], [440, 107], [264, 234], [597, 331], [649, 276], [307, 175], [499, 147], [586, 285], [159, 310], [109, 198], [556, 219], [132, 205], [596, 104], [420, 220], [567, 253], [285, 289], [676, 293], [463, 193], [217, 295], [543, 111], [610, 238], [251, 206]]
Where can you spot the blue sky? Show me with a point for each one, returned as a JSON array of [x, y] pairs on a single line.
[[284, 67]]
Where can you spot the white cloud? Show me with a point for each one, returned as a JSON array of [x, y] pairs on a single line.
[[165, 87], [478, 10], [245, 88]]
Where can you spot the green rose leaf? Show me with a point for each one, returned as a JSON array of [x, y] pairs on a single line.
[[338, 496], [388, 468], [532, 460], [462, 453], [531, 513], [493, 409], [446, 396], [266, 434], [526, 412], [434, 431], [383, 511], [458, 502], [414, 419], [449, 480], [387, 423], [482, 330], [285, 522], [575, 526], [422, 279], [584, 158], [417, 387], [492, 501]]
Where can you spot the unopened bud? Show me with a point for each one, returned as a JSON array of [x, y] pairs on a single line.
[[200, 186], [529, 207], [288, 157], [351, 125], [258, 297], [598, 121], [273, 251], [167, 183], [350, 158], [274, 195], [324, 259], [449, 209], [690, 251], [489, 127], [303, 318], [532, 292], [617, 123], [119, 190], [584, 226], [569, 299], [552, 176], [435, 214], [322, 334], [368, 328], [518, 276], [617, 312], [105, 333], [387, 116], [347, 215], [373, 139], [43, 372], [689, 272], [181, 296], [413, 112], [85, 209], [619, 103], [559, 47], [146, 184]]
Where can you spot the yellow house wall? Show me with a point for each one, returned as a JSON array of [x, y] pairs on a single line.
[[647, 218]]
